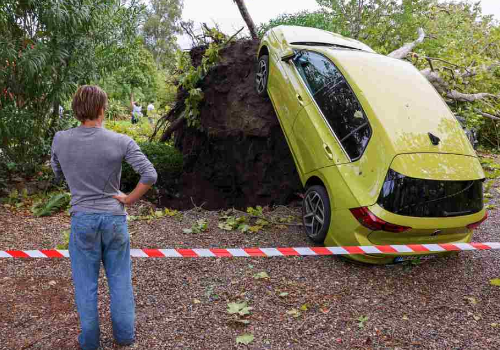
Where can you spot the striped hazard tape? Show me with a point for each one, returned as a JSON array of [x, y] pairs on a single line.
[[267, 252]]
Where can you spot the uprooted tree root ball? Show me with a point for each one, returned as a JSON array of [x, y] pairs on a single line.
[[241, 158]]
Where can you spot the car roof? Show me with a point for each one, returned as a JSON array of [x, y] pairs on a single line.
[[295, 35]]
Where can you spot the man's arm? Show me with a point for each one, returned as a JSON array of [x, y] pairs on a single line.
[[54, 162], [141, 165]]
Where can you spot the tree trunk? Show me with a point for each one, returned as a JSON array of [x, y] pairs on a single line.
[[247, 18]]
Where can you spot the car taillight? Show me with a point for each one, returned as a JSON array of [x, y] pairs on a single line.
[[477, 224], [369, 220]]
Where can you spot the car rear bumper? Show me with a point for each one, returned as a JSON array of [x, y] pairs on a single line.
[[424, 231]]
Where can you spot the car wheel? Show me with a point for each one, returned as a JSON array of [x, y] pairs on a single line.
[[316, 213], [262, 75]]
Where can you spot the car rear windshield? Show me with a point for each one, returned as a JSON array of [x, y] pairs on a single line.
[[409, 196]]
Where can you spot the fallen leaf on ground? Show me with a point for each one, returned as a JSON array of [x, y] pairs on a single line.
[[245, 339]]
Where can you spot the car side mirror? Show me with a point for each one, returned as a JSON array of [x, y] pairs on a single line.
[[288, 54]]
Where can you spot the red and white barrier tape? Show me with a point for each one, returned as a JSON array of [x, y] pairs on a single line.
[[267, 252]]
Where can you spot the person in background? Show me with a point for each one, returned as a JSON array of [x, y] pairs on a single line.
[[90, 158], [136, 109], [149, 112]]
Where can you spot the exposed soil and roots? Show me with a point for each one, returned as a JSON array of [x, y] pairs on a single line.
[[241, 158]]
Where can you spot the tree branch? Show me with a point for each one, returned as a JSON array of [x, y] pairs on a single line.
[[486, 115], [246, 17], [458, 96], [173, 127], [474, 72], [402, 52], [443, 88]]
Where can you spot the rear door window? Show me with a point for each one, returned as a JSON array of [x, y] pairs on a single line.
[[336, 100]]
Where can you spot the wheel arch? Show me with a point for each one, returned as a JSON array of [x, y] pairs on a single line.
[[313, 181], [263, 51]]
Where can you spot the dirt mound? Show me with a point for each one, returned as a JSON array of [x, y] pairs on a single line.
[[241, 158]]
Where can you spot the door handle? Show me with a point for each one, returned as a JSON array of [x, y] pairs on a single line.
[[328, 151], [301, 101]]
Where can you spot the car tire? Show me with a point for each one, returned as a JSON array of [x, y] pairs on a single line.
[[316, 213], [262, 75]]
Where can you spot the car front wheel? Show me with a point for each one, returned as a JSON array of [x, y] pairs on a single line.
[[262, 75], [316, 213]]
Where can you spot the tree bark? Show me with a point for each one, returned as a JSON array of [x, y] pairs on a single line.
[[246, 17], [486, 115], [402, 52]]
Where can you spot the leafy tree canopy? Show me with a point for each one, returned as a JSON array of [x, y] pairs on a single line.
[[47, 49], [161, 25]]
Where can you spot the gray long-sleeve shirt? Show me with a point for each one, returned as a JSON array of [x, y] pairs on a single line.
[[91, 161]]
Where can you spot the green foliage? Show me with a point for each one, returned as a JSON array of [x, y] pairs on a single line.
[[491, 168], [140, 76], [231, 222], [48, 49], [294, 313], [151, 214], [59, 201], [240, 309], [318, 19], [116, 110], [385, 25], [495, 282], [139, 132], [362, 320], [65, 237], [166, 159], [257, 211], [15, 198], [245, 338], [190, 77], [261, 275], [198, 227], [161, 25]]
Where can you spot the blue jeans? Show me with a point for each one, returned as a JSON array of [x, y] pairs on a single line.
[[97, 237]]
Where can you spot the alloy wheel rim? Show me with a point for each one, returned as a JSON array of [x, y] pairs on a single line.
[[261, 76], [314, 217]]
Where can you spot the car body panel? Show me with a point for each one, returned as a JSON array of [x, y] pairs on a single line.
[[312, 134], [352, 233], [366, 176], [339, 192], [433, 166]]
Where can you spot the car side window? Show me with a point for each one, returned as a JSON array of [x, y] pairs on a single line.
[[336, 100]]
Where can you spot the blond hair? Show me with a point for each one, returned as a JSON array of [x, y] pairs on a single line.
[[88, 102]]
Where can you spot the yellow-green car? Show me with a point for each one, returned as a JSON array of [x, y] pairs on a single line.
[[382, 157]]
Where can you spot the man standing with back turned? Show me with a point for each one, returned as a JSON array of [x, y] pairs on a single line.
[[90, 158]]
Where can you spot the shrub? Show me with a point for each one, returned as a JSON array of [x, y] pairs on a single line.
[[165, 158], [117, 111], [140, 132]]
